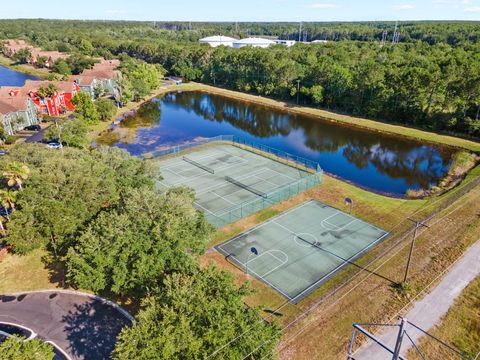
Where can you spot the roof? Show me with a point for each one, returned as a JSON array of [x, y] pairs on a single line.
[[12, 99], [218, 38], [83, 80], [34, 85], [253, 40]]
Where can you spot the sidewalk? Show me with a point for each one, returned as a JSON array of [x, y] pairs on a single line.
[[428, 311]]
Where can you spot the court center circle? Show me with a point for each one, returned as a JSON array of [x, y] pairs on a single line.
[[311, 239]]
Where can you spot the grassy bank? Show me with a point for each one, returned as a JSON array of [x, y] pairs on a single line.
[[460, 327], [320, 326], [341, 119], [97, 129], [24, 68]]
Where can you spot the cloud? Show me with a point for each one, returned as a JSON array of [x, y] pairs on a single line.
[[404, 7], [472, 9], [322, 6]]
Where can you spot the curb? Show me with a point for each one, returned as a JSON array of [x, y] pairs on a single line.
[[72, 292]]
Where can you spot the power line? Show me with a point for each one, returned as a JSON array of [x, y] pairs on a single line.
[[313, 307]]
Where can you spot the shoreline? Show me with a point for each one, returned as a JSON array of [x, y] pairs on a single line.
[[341, 119], [133, 107], [26, 69]]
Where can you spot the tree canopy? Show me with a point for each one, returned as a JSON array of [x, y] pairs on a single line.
[[13, 348], [192, 316], [128, 248]]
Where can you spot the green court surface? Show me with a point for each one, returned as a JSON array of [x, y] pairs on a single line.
[[231, 183], [301, 248]]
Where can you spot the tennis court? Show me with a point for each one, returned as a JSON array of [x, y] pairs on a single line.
[[297, 251], [231, 182]]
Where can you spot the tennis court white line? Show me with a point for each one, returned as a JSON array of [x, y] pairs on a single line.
[[225, 183], [205, 209], [282, 174], [337, 228], [282, 262], [220, 196], [338, 268], [265, 223]]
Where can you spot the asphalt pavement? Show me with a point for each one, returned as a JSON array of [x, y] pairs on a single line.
[[84, 327], [427, 312]]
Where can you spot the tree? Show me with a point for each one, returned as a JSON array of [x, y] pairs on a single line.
[[70, 132], [16, 173], [191, 316], [61, 66], [3, 132], [106, 109], [22, 56], [85, 108], [41, 61], [14, 348], [91, 181], [46, 92], [128, 248]]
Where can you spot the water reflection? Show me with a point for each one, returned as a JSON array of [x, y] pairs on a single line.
[[382, 162]]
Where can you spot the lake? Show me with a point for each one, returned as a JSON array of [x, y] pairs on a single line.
[[380, 162], [13, 78]]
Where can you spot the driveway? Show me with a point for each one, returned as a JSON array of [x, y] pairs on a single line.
[[36, 137], [428, 311], [84, 327]]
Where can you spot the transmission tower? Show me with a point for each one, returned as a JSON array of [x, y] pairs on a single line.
[[405, 330]]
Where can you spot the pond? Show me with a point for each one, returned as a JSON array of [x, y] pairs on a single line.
[[10, 77], [380, 162]]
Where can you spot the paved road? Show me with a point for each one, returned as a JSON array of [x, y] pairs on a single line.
[[36, 137], [85, 328], [428, 311]]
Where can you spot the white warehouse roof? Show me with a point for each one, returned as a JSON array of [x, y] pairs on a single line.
[[218, 40], [259, 42]]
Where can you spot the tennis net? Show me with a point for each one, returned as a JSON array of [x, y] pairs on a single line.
[[246, 187], [203, 167]]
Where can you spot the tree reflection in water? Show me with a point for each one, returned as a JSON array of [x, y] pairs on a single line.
[[382, 162]]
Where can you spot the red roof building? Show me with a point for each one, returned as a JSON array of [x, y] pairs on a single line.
[[59, 102]]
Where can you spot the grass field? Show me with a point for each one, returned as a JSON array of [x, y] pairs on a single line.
[[24, 68], [460, 327]]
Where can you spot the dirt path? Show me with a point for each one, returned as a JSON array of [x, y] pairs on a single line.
[[428, 311]]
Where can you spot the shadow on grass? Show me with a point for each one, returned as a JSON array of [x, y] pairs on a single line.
[[57, 271]]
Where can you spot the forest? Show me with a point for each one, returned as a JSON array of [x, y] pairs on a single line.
[[430, 79]]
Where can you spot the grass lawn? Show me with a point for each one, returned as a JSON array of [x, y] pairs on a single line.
[[460, 327], [26, 273], [41, 73], [320, 326]]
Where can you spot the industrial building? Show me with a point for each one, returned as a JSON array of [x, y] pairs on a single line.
[[253, 42], [218, 40]]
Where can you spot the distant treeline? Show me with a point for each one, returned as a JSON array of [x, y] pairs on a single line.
[[431, 79]]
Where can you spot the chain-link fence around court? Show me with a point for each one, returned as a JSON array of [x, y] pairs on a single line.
[[260, 162]]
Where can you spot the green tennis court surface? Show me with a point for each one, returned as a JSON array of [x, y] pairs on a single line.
[[231, 183], [302, 248]]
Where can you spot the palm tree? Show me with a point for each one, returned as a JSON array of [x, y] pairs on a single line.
[[16, 173], [7, 201], [7, 198]]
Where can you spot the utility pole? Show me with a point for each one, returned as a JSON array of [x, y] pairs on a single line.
[[418, 224], [398, 344]]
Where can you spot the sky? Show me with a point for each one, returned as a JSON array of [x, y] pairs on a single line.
[[244, 10]]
